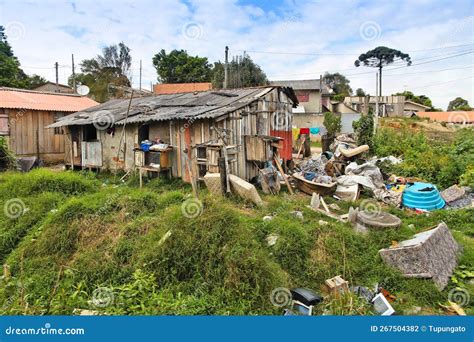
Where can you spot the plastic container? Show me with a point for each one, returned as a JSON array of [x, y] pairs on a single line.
[[422, 196]]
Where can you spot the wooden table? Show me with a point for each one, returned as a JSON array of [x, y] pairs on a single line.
[[147, 169]]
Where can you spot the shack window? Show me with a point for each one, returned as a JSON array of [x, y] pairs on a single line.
[[143, 133], [59, 130], [89, 133]]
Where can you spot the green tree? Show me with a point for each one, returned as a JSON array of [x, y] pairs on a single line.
[[459, 104], [379, 58], [364, 129], [332, 123], [11, 75], [360, 92], [36, 81], [179, 67], [421, 99], [105, 74], [339, 84], [242, 72]]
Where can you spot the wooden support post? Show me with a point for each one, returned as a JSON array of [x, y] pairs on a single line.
[[224, 176], [277, 162]]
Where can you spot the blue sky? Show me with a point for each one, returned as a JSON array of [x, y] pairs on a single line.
[[289, 39]]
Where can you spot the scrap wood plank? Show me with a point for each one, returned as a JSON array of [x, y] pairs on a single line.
[[283, 175], [342, 218]]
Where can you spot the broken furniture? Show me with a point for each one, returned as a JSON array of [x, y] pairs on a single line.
[[303, 302], [422, 196], [430, 254], [309, 187], [317, 200], [350, 153], [156, 161], [362, 220], [337, 285]]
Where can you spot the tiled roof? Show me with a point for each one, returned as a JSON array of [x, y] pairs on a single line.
[[462, 117], [170, 88], [12, 98]]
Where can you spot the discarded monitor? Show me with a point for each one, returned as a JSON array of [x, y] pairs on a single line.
[[303, 302], [382, 306], [430, 254]]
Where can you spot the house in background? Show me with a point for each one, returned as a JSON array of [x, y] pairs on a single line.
[[174, 88], [249, 123], [394, 105], [455, 117], [314, 99], [24, 115], [53, 88]]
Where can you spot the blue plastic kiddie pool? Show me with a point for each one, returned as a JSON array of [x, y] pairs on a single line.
[[422, 196]]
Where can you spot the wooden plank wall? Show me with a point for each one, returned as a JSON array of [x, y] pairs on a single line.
[[24, 139]]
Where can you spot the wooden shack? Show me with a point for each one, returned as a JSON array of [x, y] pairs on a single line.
[[195, 127], [24, 115]]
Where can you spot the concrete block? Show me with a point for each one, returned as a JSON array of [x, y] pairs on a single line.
[[244, 189], [213, 183]]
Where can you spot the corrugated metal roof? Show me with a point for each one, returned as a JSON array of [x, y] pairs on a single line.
[[299, 84], [208, 104], [12, 98]]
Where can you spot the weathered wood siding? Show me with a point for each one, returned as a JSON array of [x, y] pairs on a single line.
[[29, 137]]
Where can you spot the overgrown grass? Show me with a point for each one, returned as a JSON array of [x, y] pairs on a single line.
[[84, 233]]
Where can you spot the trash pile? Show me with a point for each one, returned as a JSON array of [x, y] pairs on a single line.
[[344, 172]]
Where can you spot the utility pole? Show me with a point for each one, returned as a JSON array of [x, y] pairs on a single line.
[[57, 77], [73, 76], [226, 67], [321, 93], [376, 118], [140, 76]]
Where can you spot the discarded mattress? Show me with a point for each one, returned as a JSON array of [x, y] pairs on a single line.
[[431, 254], [422, 196]]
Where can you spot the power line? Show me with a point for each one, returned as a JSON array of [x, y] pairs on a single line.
[[343, 54], [386, 68], [441, 83]]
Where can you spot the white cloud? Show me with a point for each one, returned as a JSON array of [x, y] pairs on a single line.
[[55, 29]]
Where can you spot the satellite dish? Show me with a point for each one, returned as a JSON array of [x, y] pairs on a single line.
[[83, 90]]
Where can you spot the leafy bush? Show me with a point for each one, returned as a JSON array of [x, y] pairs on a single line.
[[332, 123], [364, 129], [434, 161]]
